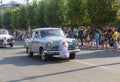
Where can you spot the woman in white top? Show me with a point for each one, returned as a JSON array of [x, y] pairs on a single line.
[[63, 50]]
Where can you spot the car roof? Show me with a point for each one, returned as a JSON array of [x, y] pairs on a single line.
[[46, 28], [4, 29]]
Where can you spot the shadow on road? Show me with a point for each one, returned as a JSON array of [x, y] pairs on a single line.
[[98, 54], [29, 61], [11, 48], [24, 60], [21, 59]]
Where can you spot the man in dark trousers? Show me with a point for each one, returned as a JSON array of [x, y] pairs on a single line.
[[80, 35]]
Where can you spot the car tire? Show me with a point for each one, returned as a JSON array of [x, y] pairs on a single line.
[[26, 49], [44, 57], [11, 45], [72, 55], [30, 54]]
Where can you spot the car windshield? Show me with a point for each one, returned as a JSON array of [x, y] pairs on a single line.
[[52, 32], [3, 31]]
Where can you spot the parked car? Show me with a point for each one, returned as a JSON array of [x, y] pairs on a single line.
[[5, 38], [46, 41]]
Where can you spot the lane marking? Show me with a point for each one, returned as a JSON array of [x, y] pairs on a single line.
[[103, 67]]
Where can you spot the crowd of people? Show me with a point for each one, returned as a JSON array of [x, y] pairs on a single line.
[[20, 34], [91, 38], [95, 38]]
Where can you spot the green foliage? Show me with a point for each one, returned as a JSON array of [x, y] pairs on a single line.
[[22, 17], [18, 18], [30, 14], [101, 11], [73, 12], [62, 12], [15, 22], [51, 12], [6, 19], [39, 16]]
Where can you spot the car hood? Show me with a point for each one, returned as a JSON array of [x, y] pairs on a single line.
[[2, 36], [57, 39]]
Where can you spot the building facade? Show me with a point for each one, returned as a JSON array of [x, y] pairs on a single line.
[[9, 5]]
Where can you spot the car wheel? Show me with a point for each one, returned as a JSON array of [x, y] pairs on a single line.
[[72, 55], [44, 57], [11, 45], [30, 54], [26, 49]]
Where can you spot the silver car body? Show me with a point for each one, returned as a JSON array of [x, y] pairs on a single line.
[[51, 42]]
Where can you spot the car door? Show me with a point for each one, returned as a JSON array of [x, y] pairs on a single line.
[[31, 41], [35, 43]]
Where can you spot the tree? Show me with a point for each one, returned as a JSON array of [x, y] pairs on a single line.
[[39, 16], [15, 19], [6, 19], [101, 11], [51, 12], [30, 15], [22, 21], [73, 11]]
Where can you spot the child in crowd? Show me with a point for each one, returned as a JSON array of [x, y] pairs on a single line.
[[63, 50]]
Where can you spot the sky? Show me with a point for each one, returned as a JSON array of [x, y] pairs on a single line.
[[19, 1]]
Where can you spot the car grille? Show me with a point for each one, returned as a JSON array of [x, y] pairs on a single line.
[[56, 48], [8, 40], [71, 47], [1, 41]]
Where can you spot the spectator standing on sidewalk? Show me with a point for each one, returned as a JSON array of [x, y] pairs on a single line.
[[75, 33], [115, 38], [80, 35], [97, 37]]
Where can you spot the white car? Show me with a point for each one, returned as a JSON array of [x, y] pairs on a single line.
[[5, 38]]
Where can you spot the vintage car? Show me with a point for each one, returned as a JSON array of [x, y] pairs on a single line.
[[5, 38], [46, 41]]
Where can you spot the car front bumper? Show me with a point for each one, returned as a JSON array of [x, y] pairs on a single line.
[[2, 44], [57, 52], [8, 43]]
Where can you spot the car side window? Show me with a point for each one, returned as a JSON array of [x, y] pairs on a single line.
[[43, 34], [31, 35], [36, 34]]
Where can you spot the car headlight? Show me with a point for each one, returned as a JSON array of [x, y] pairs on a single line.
[[75, 42], [49, 44], [12, 38]]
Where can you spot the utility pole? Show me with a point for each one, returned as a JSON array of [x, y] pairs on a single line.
[[1, 13], [27, 2]]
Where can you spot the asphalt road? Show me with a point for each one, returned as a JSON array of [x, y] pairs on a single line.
[[90, 65]]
